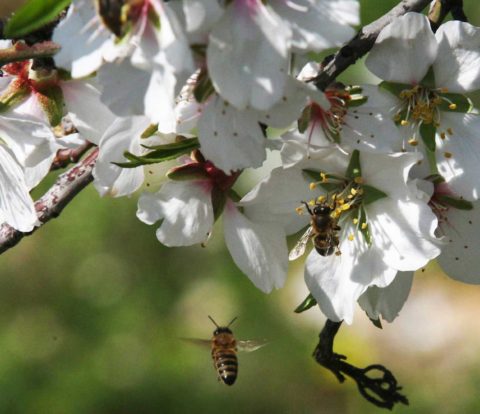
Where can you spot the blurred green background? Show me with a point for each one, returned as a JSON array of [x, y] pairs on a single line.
[[92, 309]]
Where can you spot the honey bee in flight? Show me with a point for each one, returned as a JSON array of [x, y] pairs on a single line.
[[224, 349], [322, 230]]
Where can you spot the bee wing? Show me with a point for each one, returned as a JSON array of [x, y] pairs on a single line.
[[301, 245], [251, 345], [199, 342]]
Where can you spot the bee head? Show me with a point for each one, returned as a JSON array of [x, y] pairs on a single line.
[[322, 210], [222, 329]]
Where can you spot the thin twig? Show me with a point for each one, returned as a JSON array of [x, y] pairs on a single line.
[[363, 42], [51, 204], [21, 51], [375, 382]]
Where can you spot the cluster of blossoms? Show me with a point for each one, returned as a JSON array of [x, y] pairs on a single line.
[[384, 178]]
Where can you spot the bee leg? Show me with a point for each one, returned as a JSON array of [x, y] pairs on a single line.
[[336, 241], [307, 207]]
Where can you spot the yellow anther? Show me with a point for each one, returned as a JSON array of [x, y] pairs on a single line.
[[358, 180], [321, 199], [324, 178], [450, 131], [364, 226], [448, 154], [443, 135], [345, 207], [351, 237], [355, 221], [353, 191], [312, 186], [341, 201], [350, 196], [404, 122], [413, 142], [299, 211], [397, 117], [311, 203], [334, 197], [452, 106]]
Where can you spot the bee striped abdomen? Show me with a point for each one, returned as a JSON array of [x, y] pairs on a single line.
[[226, 364]]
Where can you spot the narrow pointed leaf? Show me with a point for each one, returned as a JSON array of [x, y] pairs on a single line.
[[33, 15]]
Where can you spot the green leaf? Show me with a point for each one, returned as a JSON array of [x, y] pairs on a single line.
[[371, 194], [365, 231], [304, 119], [184, 143], [463, 104], [161, 153], [454, 202], [33, 15], [394, 88], [13, 96], [354, 169], [429, 79], [51, 102], [219, 199], [315, 175], [203, 87], [308, 303], [427, 132]]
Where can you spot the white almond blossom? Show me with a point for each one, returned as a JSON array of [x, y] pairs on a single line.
[[433, 113], [250, 45], [385, 228], [145, 68], [188, 208]]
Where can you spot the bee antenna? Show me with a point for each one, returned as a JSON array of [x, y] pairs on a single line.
[[233, 320], [215, 323]]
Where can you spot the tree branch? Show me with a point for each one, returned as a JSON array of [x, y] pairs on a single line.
[[362, 43], [51, 204], [375, 382]]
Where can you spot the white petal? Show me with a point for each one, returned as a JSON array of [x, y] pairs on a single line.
[[275, 198], [367, 129], [80, 98], [123, 135], [404, 231], [175, 54], [16, 205], [200, 15], [388, 172], [289, 108], [388, 301], [458, 155], [230, 138], [123, 88], [33, 144], [336, 282], [460, 259], [160, 99], [258, 249], [83, 38], [458, 62], [185, 208], [318, 25], [404, 50], [247, 55], [329, 159]]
